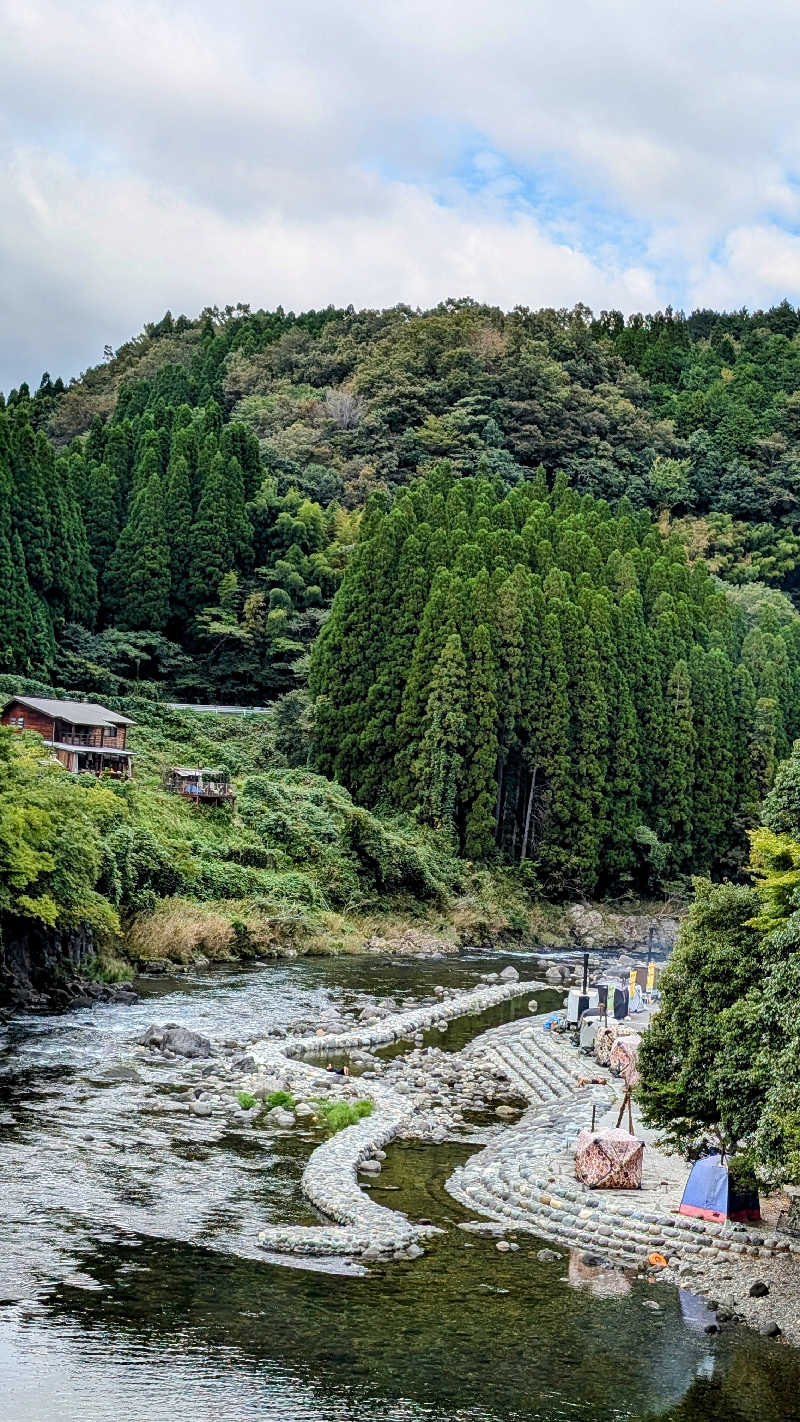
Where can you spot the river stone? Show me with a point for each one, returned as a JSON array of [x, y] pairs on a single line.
[[509, 975], [547, 1256], [303, 1111], [266, 1088], [200, 1108], [174, 1038], [120, 1073], [279, 1117]]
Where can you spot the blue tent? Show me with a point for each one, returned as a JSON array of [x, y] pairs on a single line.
[[712, 1195]]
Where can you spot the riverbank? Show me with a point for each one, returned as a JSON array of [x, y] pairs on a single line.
[[523, 1177], [45, 970], [489, 911], [136, 1185]]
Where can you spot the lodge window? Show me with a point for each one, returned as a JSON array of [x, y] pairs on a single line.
[[18, 722]]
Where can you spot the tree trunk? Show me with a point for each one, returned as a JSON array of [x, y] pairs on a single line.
[[528, 812], [515, 833], [498, 816]]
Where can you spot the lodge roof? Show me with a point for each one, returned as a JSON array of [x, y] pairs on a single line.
[[77, 713]]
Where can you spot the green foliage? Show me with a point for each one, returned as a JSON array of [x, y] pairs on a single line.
[[246, 1101], [782, 805], [536, 673], [352, 855], [51, 840], [138, 573], [719, 1062], [281, 1098], [127, 857], [439, 767], [258, 425], [338, 1115], [703, 1068], [107, 968]]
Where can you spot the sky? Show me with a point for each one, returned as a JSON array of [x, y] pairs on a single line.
[[182, 153]]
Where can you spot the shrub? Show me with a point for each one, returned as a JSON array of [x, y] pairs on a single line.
[[246, 1101], [281, 1098], [137, 869], [337, 1115], [107, 969]]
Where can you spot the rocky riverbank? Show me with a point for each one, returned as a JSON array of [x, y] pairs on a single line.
[[47, 969]]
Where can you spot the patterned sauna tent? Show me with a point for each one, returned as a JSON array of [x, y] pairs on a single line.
[[623, 1059], [609, 1159]]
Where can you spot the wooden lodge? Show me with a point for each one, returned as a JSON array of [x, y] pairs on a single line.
[[204, 787], [86, 738]]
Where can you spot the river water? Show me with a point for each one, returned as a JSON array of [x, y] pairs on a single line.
[[131, 1288]]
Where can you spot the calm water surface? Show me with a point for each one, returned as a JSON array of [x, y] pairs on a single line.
[[130, 1286]]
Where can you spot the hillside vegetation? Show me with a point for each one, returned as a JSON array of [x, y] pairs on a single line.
[[183, 512], [298, 866]]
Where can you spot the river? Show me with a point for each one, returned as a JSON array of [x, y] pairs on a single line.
[[131, 1286]]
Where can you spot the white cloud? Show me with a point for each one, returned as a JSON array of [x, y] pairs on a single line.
[[761, 258], [97, 252], [174, 152]]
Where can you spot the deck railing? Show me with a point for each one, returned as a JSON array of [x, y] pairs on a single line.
[[210, 788], [92, 736]]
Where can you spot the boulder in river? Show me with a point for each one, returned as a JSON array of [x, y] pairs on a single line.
[[118, 1074], [279, 1117], [174, 1038]]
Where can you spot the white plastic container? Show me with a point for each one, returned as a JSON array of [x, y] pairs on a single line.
[[578, 1002]]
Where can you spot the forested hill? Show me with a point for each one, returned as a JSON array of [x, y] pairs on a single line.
[[535, 673], [183, 512]]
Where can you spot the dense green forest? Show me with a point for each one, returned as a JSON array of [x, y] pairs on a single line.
[[182, 513], [539, 673]]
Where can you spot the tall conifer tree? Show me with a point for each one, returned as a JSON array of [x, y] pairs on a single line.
[[440, 765], [138, 574]]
